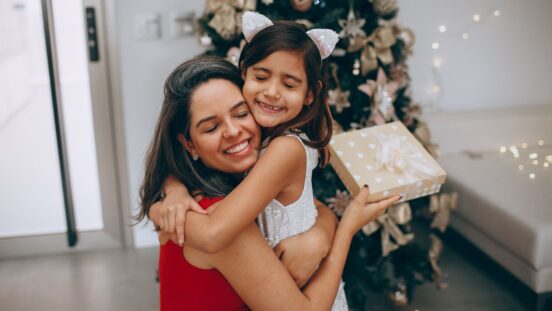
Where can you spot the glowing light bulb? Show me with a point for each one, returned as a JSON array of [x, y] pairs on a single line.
[[435, 45], [540, 142], [533, 155], [503, 149], [476, 18], [465, 36], [532, 176], [524, 145], [535, 162], [496, 13], [437, 62], [435, 89], [546, 164], [520, 167], [442, 28]]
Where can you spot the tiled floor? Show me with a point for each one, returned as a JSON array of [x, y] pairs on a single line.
[[125, 280]]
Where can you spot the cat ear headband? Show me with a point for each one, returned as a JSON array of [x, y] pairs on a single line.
[[325, 39]]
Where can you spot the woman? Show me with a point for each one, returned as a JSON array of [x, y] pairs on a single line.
[[203, 105]]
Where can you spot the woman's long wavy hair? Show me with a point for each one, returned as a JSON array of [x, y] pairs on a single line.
[[166, 156], [315, 119]]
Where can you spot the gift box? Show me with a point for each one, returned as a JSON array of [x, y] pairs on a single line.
[[387, 158]]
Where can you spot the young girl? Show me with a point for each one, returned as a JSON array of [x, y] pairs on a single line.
[[283, 67]]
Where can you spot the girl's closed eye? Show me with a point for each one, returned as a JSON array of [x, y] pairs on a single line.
[[261, 78]]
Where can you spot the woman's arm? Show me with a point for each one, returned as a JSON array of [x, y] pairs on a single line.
[[284, 158], [262, 282]]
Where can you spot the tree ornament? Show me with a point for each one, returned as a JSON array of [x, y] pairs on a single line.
[[442, 205], [301, 5], [338, 203], [352, 29], [396, 215], [337, 97], [385, 7], [205, 40], [399, 295], [382, 95], [407, 36], [378, 46], [434, 254], [226, 20]]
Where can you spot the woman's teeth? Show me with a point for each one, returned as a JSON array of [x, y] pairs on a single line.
[[273, 108], [238, 148]]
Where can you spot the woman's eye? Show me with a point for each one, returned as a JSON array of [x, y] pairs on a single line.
[[211, 128], [289, 86], [242, 114], [259, 78]]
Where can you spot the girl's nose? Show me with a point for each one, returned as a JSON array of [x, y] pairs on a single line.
[[272, 91]]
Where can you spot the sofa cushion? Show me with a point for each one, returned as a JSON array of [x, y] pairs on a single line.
[[504, 202]]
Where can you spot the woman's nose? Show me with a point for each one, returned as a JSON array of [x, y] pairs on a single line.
[[232, 129]]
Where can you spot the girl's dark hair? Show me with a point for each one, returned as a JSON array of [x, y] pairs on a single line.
[[315, 119], [166, 156]]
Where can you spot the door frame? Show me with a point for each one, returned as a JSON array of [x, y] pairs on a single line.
[[110, 153]]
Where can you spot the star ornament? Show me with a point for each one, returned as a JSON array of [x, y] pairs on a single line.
[[352, 27], [382, 94], [339, 99]]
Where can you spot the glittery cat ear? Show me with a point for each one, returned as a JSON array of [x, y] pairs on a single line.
[[252, 23], [325, 40]]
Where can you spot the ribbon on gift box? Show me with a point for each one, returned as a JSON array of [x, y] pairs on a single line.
[[442, 205], [396, 154], [396, 215]]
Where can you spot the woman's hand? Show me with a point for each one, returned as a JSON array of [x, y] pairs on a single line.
[[301, 254], [361, 212]]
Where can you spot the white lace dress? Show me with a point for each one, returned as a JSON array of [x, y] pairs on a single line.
[[278, 222]]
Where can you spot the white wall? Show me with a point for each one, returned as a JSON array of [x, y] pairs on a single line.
[[143, 66], [505, 62]]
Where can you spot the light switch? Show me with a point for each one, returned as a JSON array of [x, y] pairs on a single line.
[[181, 24], [147, 26]]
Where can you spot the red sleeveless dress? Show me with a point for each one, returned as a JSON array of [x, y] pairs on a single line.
[[185, 287]]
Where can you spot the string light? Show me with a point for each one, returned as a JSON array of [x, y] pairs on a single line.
[[520, 167], [476, 18], [465, 36], [546, 164], [535, 162], [442, 28], [503, 149], [435, 45], [437, 62], [540, 142], [533, 155], [532, 176], [524, 145], [496, 13]]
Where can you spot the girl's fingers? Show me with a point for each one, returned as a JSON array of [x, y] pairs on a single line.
[[194, 206], [180, 222]]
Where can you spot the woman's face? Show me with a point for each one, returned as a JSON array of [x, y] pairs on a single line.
[[223, 132]]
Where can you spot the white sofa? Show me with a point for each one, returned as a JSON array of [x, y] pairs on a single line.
[[502, 210]]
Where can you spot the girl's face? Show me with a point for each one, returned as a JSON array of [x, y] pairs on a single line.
[[223, 132], [276, 88]]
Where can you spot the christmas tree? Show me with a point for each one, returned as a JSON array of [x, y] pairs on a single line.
[[369, 85]]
